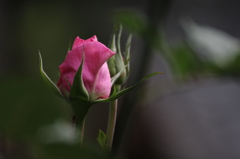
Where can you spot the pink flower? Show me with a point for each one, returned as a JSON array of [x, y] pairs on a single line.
[[95, 73]]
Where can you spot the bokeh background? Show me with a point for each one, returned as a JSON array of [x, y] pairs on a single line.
[[190, 111]]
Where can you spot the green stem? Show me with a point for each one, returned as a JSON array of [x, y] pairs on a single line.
[[80, 110], [111, 123], [80, 130]]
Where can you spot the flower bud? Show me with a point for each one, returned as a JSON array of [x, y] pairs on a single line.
[[95, 73], [118, 61]]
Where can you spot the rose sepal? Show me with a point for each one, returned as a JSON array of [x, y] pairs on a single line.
[[115, 78], [48, 81], [127, 55], [78, 90], [78, 97]]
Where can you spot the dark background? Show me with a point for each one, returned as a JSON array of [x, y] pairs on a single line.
[[161, 119]]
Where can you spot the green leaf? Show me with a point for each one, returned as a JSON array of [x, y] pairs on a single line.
[[48, 81], [102, 141], [126, 90], [78, 89], [115, 95]]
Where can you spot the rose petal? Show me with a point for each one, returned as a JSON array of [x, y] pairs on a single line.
[[95, 74], [102, 87], [79, 41]]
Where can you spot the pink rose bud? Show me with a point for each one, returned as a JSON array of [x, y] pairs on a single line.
[[95, 72]]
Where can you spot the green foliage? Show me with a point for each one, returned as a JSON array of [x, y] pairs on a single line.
[[232, 69], [184, 62], [102, 141]]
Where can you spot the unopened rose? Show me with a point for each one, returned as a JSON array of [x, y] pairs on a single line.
[[95, 73]]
